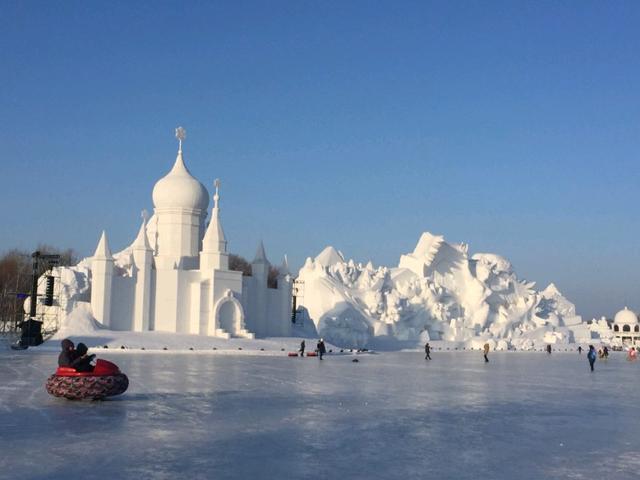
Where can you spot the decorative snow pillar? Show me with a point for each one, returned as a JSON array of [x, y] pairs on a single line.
[[102, 281], [143, 260], [214, 254], [285, 287], [260, 274]]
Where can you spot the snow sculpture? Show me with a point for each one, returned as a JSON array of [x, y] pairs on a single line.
[[437, 292], [175, 276]]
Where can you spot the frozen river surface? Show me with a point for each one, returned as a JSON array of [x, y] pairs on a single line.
[[391, 415]]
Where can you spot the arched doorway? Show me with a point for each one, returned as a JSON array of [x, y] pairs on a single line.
[[229, 315], [228, 318]]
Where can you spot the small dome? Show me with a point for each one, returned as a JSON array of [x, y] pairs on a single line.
[[180, 189], [626, 317]]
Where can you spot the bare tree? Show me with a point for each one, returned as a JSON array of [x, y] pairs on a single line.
[[240, 264], [15, 281]]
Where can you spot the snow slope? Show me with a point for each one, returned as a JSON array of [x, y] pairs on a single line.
[[437, 292]]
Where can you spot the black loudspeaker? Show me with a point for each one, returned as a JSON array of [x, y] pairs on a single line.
[[48, 293]]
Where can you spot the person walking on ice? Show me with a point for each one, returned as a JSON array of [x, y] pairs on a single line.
[[591, 355], [579, 350], [302, 347], [486, 352], [427, 351], [321, 348]]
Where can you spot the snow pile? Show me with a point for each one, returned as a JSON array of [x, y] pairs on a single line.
[[73, 294], [79, 321], [438, 292]]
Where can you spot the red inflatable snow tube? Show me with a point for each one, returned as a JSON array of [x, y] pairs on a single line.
[[106, 380]]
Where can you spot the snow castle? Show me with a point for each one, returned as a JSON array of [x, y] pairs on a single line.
[[175, 276]]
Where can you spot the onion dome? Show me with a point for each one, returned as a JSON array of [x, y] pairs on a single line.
[[626, 317], [180, 189]]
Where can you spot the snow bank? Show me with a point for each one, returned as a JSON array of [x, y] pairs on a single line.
[[437, 292]]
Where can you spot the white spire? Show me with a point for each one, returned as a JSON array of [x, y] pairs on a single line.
[[216, 196], [284, 268], [214, 239], [261, 257], [103, 252], [142, 242]]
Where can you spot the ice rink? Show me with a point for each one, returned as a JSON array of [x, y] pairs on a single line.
[[389, 416]]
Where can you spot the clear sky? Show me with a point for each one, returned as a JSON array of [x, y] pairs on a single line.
[[512, 126]]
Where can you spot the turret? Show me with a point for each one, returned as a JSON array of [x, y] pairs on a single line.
[[285, 287], [180, 204], [260, 275], [143, 260], [102, 281], [214, 245], [260, 266]]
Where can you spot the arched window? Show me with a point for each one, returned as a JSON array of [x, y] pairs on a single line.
[[626, 328], [636, 328], [616, 328]]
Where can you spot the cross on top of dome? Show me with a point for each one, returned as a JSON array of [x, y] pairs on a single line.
[[181, 134]]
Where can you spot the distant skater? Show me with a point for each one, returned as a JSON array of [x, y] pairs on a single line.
[[580, 350], [486, 352], [605, 352], [549, 349], [321, 348], [302, 347], [591, 355], [427, 351], [632, 354]]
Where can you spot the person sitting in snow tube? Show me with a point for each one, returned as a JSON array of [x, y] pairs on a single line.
[[68, 353], [103, 380], [75, 357], [83, 362]]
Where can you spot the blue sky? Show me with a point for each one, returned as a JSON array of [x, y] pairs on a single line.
[[512, 126]]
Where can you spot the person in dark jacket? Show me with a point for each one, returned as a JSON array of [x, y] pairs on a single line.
[[321, 348], [549, 349], [579, 349], [68, 354], [83, 361], [427, 351], [591, 355], [302, 347]]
